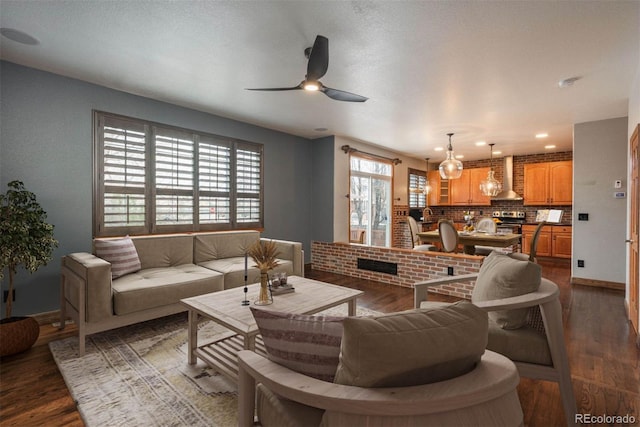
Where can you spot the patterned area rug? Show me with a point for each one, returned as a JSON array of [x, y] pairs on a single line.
[[139, 376]]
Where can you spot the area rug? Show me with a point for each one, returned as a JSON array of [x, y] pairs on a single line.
[[139, 376]]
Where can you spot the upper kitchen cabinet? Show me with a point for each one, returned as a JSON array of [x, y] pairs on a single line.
[[465, 191], [548, 183], [439, 195]]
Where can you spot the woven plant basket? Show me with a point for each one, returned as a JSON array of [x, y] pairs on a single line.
[[17, 334]]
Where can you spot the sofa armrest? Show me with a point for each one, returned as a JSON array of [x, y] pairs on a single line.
[[421, 289], [87, 285], [291, 251]]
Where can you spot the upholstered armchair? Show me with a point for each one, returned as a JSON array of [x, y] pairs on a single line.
[[525, 319], [425, 367]]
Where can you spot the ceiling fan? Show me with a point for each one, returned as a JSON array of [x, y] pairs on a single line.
[[318, 56]]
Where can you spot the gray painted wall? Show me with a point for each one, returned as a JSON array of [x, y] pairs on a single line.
[[322, 195], [599, 158], [46, 141]]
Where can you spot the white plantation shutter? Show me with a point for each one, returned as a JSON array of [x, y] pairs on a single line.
[[123, 167], [417, 180], [174, 177], [249, 185], [214, 181], [152, 178]]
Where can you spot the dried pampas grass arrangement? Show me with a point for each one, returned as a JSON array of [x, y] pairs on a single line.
[[264, 255]]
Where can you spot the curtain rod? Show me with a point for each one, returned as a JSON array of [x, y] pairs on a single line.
[[348, 150]]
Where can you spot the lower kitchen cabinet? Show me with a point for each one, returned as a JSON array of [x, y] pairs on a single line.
[[554, 240]]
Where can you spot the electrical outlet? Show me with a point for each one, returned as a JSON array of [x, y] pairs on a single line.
[[449, 271], [5, 296], [580, 263]]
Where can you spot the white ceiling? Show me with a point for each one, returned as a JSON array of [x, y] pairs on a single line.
[[486, 70]]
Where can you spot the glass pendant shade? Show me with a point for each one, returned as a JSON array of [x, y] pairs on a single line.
[[426, 190], [491, 186], [450, 168]]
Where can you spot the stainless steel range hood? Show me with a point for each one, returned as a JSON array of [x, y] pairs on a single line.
[[507, 192]]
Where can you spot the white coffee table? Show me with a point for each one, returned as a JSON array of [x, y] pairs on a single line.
[[225, 308]]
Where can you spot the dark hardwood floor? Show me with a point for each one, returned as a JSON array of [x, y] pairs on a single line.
[[603, 357]]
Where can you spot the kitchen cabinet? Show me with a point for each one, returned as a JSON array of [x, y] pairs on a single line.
[[465, 191], [549, 183], [554, 240], [439, 195]]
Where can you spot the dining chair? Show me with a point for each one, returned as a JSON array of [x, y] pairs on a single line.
[[449, 238], [415, 239], [487, 225], [532, 246]]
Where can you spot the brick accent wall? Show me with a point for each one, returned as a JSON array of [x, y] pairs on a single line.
[[401, 234], [342, 258]]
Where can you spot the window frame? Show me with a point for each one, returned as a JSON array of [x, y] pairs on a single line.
[[153, 130], [421, 179]]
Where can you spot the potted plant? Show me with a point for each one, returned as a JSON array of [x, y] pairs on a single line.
[[26, 240]]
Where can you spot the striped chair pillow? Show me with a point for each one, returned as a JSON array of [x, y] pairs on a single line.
[[306, 344], [121, 253]]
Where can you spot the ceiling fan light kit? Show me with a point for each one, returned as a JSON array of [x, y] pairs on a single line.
[[491, 186], [450, 168], [317, 67]]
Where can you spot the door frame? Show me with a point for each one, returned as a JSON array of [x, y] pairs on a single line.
[[633, 261]]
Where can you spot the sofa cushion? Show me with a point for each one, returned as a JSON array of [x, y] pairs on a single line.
[[525, 344], [120, 253], [412, 347], [223, 244], [502, 276], [164, 250], [233, 270], [303, 343], [155, 287]]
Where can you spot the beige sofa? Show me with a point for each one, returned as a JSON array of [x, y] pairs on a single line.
[[172, 267]]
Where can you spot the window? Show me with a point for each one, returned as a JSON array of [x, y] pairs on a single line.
[[370, 199], [150, 178], [417, 181]]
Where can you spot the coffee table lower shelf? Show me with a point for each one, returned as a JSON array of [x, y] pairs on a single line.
[[222, 354]]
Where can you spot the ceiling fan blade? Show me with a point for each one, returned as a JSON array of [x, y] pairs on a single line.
[[318, 59], [275, 89], [340, 95]]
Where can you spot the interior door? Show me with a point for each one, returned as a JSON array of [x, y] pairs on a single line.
[[634, 280]]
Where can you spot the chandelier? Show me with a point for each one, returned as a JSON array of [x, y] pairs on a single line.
[[450, 168], [491, 186]]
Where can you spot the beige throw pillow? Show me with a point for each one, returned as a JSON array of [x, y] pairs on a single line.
[[303, 343], [120, 253], [412, 347], [502, 276]]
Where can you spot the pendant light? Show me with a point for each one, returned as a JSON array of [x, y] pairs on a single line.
[[491, 186], [450, 168], [427, 187]]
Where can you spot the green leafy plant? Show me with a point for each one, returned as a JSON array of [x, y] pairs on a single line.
[[26, 239]]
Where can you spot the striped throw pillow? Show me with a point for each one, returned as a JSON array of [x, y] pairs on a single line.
[[120, 253], [306, 344]]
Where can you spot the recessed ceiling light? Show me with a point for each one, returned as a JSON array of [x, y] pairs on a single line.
[[459, 156], [549, 147], [497, 152], [438, 149], [542, 135], [481, 143], [19, 36]]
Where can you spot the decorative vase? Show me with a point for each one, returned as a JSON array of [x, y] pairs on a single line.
[[17, 334], [264, 298]]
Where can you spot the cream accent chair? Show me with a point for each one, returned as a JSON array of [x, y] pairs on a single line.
[[487, 225], [425, 367], [538, 348], [448, 235], [415, 239]]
